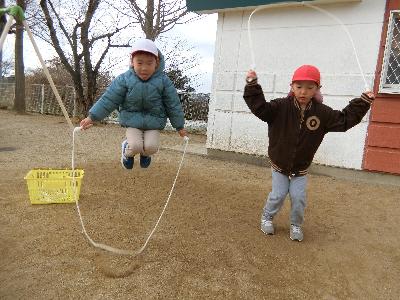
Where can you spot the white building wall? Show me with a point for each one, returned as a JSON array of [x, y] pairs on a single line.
[[283, 39]]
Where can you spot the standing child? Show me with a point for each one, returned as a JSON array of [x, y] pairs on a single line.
[[145, 97], [297, 125]]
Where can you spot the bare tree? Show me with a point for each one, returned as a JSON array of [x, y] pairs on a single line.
[[61, 77], [75, 29], [7, 64], [156, 17], [178, 53], [180, 60]]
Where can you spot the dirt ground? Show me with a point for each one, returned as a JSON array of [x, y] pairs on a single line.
[[208, 244]]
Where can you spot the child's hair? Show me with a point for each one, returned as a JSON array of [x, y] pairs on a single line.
[[145, 53], [317, 97]]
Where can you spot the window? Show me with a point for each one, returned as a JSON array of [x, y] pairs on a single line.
[[390, 77]]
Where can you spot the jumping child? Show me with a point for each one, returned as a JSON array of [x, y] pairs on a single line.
[[297, 125], [145, 97]]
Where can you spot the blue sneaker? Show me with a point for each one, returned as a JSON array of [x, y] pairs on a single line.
[[145, 161], [126, 162]]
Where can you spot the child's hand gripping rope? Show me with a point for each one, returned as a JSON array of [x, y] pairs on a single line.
[[370, 95], [251, 76], [86, 123], [183, 133]]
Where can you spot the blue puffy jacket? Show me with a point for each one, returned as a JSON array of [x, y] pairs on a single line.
[[141, 104]]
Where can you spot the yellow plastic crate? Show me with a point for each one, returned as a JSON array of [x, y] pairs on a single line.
[[47, 186]]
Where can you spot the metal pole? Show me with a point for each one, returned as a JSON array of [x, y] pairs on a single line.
[[5, 31], [42, 99], [74, 97]]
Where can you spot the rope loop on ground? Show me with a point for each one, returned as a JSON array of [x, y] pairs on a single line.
[[106, 247]]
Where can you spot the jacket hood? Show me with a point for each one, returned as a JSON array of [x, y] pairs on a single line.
[[161, 67]]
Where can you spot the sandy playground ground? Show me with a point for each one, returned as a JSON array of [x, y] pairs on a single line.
[[208, 244]]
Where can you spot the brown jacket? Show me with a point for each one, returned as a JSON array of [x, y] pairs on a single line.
[[294, 137]]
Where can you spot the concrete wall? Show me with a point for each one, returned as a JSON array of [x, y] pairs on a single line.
[[7, 95], [283, 39]]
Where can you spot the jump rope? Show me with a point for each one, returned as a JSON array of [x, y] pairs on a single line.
[[186, 139], [74, 131], [137, 252]]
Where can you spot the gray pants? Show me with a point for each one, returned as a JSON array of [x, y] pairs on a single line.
[[145, 142], [281, 186]]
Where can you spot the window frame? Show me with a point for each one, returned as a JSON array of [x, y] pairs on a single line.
[[385, 88]]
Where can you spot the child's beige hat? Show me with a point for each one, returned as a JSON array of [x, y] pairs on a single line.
[[145, 45]]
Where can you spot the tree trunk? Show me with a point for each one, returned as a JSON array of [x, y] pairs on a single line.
[[91, 90], [79, 96], [149, 21], [19, 101], [3, 21]]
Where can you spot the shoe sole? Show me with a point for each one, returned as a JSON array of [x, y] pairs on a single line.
[[122, 158], [296, 240], [267, 233]]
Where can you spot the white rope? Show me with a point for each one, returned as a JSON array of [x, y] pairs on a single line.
[[48, 76], [336, 19], [348, 34], [76, 129], [253, 60], [106, 247]]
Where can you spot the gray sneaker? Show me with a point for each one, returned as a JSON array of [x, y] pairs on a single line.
[[266, 225], [296, 234]]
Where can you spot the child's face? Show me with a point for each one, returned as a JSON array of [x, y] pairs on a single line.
[[304, 91], [144, 65]]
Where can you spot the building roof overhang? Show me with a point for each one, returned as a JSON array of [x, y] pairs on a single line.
[[213, 6]]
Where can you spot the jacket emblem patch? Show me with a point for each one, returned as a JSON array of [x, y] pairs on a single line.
[[313, 123]]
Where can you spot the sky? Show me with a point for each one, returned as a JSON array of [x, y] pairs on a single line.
[[200, 35]]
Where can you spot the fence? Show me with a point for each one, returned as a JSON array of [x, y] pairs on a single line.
[[41, 99]]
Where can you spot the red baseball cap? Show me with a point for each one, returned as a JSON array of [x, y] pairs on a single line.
[[307, 72]]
